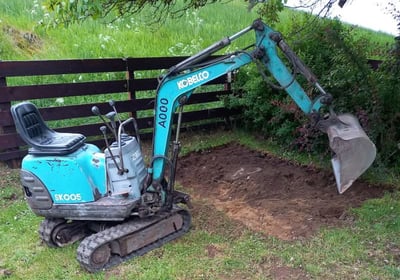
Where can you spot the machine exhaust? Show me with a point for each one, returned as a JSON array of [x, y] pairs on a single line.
[[354, 151]]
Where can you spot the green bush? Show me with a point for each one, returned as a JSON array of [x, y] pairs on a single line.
[[264, 109], [386, 103]]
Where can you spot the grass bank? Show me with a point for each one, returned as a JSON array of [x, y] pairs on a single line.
[[26, 36]]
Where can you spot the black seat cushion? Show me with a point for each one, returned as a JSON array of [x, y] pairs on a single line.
[[42, 140]]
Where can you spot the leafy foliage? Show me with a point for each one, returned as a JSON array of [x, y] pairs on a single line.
[[386, 126], [67, 12], [77, 10], [270, 10]]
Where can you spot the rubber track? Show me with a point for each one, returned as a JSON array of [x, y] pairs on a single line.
[[94, 241], [46, 229]]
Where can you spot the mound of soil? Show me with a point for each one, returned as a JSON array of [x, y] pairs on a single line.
[[270, 195]]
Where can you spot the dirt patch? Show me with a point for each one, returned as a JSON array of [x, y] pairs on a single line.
[[270, 195], [286, 273], [26, 41]]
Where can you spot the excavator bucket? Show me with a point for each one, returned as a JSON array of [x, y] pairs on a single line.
[[354, 151]]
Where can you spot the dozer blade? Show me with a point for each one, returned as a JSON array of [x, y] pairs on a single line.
[[354, 151]]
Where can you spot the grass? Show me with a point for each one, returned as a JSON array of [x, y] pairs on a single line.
[[215, 247], [126, 37], [130, 36]]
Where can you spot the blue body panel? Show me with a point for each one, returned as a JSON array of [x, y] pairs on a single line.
[[75, 178]]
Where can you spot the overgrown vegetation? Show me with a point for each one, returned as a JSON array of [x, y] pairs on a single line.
[[385, 126]]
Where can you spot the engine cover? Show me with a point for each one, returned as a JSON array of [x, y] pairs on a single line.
[[78, 177]]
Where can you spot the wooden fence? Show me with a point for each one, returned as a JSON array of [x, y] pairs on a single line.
[[124, 76]]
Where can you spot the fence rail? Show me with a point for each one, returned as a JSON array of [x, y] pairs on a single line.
[[52, 79]]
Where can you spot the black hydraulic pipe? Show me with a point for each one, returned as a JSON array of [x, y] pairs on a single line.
[[207, 51]]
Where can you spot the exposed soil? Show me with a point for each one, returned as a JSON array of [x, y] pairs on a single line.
[[25, 41], [270, 195]]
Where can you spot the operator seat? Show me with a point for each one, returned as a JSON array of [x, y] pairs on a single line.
[[41, 139]]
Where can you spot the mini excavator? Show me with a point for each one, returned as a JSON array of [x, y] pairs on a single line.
[[117, 206]]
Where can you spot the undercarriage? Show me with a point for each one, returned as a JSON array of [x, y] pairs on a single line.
[[107, 244]]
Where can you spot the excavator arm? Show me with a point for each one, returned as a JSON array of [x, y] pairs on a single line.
[[177, 85]]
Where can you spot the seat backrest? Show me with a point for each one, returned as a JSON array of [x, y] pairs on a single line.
[[30, 124], [42, 139]]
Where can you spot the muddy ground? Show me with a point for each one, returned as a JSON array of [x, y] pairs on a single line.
[[268, 194]]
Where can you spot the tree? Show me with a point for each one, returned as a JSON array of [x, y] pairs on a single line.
[[394, 11], [68, 11]]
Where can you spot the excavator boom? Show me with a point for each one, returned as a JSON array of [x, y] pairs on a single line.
[[347, 139]]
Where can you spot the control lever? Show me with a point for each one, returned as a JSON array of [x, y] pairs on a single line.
[[96, 111], [111, 117], [103, 130], [112, 104]]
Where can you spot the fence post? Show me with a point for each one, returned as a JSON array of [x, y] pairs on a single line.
[[228, 87], [5, 107], [3, 83], [130, 77]]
